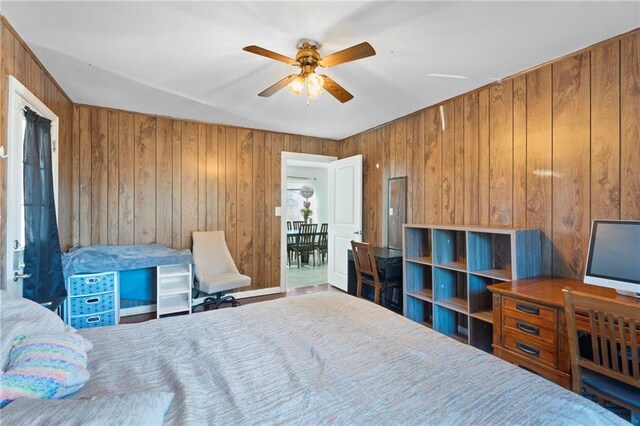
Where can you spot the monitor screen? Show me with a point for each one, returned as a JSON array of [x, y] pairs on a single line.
[[614, 252]]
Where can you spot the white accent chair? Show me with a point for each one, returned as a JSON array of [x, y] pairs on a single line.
[[215, 270]]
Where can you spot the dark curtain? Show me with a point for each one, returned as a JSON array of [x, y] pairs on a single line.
[[42, 257]]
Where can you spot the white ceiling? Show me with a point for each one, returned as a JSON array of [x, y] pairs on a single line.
[[185, 60]]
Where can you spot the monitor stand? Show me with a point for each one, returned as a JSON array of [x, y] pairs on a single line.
[[628, 293]]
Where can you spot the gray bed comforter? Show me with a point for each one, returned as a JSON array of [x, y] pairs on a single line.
[[324, 358]]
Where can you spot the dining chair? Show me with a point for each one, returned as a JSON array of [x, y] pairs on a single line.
[[296, 224], [367, 272], [306, 246], [608, 365], [292, 244], [289, 226], [323, 243]]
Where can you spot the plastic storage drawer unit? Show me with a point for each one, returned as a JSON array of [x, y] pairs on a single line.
[[92, 300]]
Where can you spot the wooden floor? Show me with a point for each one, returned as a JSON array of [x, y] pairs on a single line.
[[247, 301]]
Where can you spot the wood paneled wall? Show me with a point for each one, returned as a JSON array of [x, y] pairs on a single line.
[[552, 148], [18, 60], [139, 179]]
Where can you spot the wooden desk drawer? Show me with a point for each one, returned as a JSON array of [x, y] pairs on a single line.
[[530, 312], [531, 333], [531, 351]]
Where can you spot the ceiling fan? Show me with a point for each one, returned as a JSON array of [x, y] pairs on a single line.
[[308, 59]]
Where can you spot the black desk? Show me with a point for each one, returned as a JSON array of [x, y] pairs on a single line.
[[389, 263]]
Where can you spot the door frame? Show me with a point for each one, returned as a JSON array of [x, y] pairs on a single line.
[[284, 159], [19, 97]]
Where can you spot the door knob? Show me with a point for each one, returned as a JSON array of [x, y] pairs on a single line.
[[358, 232], [18, 276]]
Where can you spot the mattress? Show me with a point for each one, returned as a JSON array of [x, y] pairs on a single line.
[[322, 358]]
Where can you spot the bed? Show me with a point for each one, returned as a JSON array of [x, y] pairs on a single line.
[[322, 358]]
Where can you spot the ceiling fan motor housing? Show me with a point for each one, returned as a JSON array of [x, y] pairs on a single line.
[[308, 57]]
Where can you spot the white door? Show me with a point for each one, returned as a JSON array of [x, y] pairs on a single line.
[[19, 97], [345, 215]]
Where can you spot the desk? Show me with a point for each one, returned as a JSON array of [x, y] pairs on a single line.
[[549, 352], [389, 263]]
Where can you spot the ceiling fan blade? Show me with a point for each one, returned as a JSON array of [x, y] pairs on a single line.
[[277, 86], [269, 54], [359, 51], [336, 90]]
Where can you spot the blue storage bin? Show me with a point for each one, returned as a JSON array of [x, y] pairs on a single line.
[[92, 284], [94, 320], [92, 304]]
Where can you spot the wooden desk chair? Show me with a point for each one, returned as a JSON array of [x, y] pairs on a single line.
[[367, 272], [614, 372]]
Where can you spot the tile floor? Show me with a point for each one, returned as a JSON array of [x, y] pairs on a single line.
[[306, 275]]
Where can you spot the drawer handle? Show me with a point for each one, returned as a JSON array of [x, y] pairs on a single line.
[[92, 280], [93, 319], [92, 300], [528, 328], [528, 349], [528, 309]]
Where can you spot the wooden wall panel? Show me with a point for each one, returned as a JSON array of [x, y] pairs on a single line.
[[571, 164], [245, 201], [605, 131], [448, 166], [144, 219], [483, 158], [113, 166], [551, 148], [99, 182], [189, 179], [459, 160], [164, 182], [202, 176], [501, 154], [471, 166], [417, 178], [231, 190], [277, 146], [520, 152], [432, 166], [260, 214], [630, 131], [539, 161], [85, 176], [212, 178], [126, 150]]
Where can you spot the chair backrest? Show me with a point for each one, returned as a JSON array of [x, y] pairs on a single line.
[[296, 224], [211, 254], [614, 334], [364, 260], [308, 228], [289, 226], [324, 228]]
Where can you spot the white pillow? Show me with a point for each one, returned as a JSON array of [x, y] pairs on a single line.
[[142, 408], [23, 317]]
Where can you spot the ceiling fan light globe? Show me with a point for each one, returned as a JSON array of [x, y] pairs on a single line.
[[314, 85], [296, 85]]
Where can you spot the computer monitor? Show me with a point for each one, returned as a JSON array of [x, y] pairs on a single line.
[[614, 256]]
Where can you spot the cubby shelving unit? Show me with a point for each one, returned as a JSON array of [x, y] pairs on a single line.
[[447, 270], [174, 289]]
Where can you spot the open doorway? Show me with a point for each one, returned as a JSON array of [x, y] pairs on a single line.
[[305, 201], [307, 223]]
